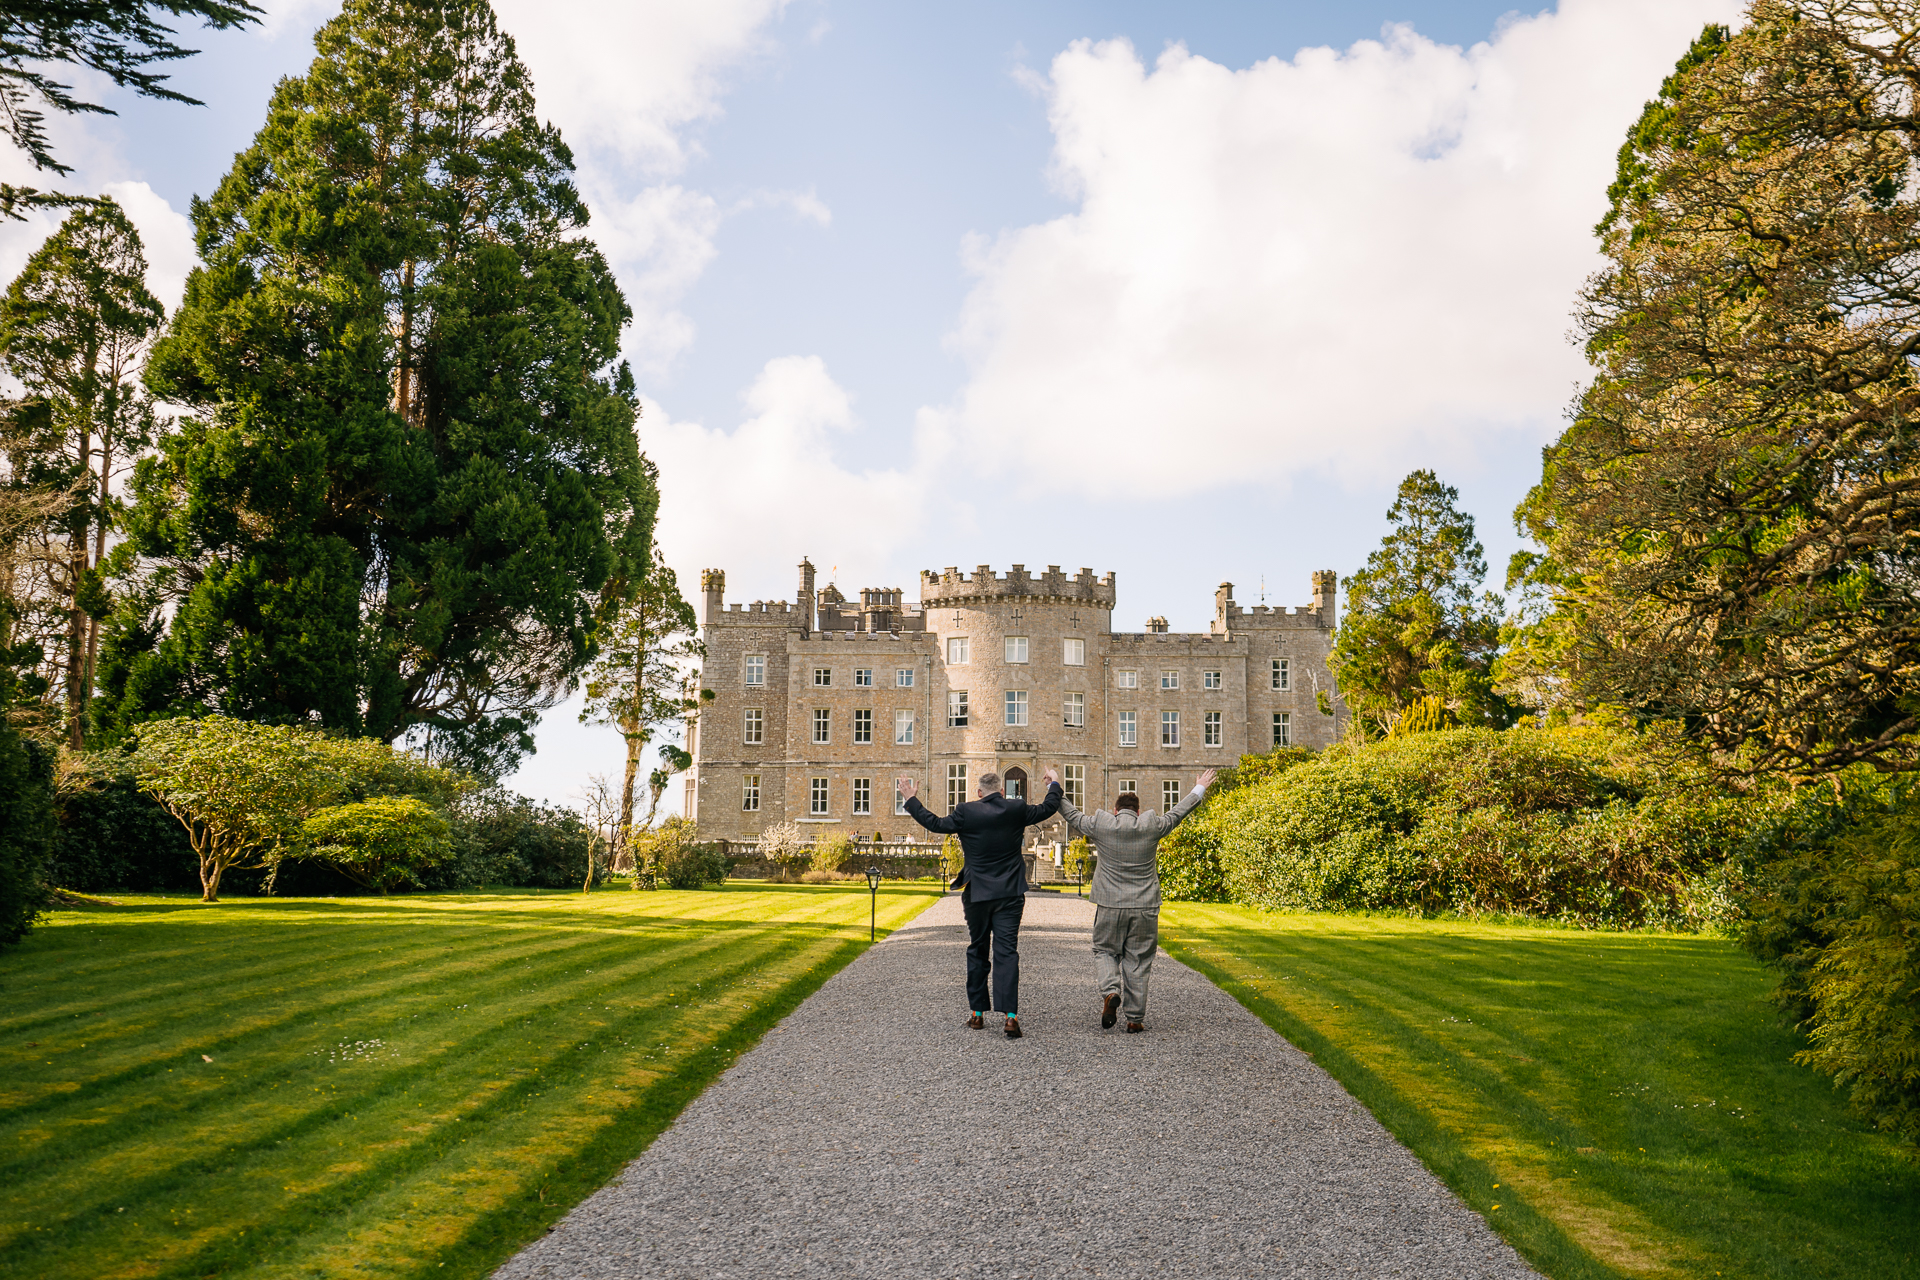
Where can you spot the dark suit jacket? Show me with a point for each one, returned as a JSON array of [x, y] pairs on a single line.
[[989, 832]]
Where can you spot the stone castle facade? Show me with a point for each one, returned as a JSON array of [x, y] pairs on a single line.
[[822, 701]]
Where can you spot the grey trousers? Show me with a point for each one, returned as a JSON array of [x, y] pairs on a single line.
[[1123, 943]]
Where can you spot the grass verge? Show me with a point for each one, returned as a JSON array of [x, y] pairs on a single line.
[[391, 1087], [1613, 1104]]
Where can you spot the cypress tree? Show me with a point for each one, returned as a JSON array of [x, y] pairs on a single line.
[[410, 473]]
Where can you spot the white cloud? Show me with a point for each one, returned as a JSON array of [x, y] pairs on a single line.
[[167, 235], [754, 499], [1329, 262]]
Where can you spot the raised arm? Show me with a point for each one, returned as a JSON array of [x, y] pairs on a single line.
[[1076, 821], [1191, 801], [920, 813], [1039, 813]]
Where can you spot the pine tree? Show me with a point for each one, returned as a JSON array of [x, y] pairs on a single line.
[[411, 472], [74, 327], [1416, 625]]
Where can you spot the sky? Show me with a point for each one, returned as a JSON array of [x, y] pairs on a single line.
[[1176, 291]]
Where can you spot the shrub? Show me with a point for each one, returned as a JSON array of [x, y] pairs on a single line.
[[832, 855], [501, 838], [26, 830], [677, 858], [783, 846], [383, 843], [112, 835], [1586, 825], [1190, 857], [953, 859]]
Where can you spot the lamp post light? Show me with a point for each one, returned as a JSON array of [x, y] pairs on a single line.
[[873, 889]]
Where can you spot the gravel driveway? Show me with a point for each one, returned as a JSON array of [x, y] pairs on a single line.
[[872, 1134]]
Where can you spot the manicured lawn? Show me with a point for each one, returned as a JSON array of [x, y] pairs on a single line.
[[1615, 1104], [410, 1086]]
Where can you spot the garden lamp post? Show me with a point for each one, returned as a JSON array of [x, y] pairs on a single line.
[[873, 889]]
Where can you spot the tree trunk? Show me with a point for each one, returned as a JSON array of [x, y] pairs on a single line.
[[76, 616], [636, 743]]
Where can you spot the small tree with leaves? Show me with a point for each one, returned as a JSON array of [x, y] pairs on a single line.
[[1417, 625]]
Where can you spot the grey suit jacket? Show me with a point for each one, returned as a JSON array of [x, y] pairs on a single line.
[[1128, 876]]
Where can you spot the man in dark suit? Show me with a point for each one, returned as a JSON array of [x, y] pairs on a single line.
[[996, 886]]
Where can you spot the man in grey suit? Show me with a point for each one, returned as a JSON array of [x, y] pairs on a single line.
[[1126, 895]]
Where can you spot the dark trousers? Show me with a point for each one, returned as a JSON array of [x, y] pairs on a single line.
[[994, 923]]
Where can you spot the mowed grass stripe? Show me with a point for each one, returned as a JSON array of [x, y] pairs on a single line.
[[1626, 1100], [495, 1119]]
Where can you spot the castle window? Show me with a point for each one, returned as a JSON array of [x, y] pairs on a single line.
[[1076, 711], [1126, 679], [956, 651], [862, 725], [817, 798], [956, 786], [863, 795], [899, 802], [1129, 729], [1213, 728], [822, 677], [1169, 794], [1282, 729], [1128, 787], [956, 708], [756, 668], [1016, 707], [1075, 654], [1073, 784], [750, 793], [863, 677], [1169, 728], [1210, 679], [1169, 679], [1016, 648], [903, 678], [903, 728], [1282, 676], [822, 725], [755, 728]]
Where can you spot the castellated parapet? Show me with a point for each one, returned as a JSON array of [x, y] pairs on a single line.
[[950, 586]]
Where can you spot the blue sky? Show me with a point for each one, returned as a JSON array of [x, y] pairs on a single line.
[[1172, 290]]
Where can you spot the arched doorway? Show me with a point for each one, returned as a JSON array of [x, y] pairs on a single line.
[[1016, 783]]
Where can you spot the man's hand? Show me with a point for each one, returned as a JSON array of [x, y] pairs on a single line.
[[1050, 778], [905, 787], [1206, 779]]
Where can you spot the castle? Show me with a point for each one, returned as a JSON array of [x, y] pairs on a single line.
[[822, 701]]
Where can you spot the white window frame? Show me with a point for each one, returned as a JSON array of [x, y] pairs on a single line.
[[1073, 652], [1075, 710], [1129, 729], [1018, 647], [1282, 729], [863, 677], [822, 726], [862, 796], [817, 793], [823, 677], [756, 670], [1212, 731], [956, 786], [903, 677], [1283, 674], [1128, 787], [1126, 679], [1073, 784], [753, 727], [749, 793], [903, 728], [1016, 708], [956, 709], [862, 725], [1169, 794], [1169, 679], [958, 651], [1169, 729], [1210, 679]]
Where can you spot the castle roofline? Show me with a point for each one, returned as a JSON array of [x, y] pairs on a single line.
[[950, 586]]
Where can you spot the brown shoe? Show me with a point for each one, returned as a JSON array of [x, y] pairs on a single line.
[[976, 1022], [1109, 1012], [1013, 1029], [1133, 1027]]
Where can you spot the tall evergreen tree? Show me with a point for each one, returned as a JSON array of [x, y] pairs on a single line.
[[74, 327], [411, 473], [1417, 626]]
